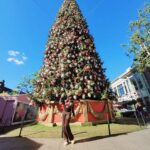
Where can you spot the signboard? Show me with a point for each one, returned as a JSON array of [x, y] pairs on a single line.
[[24, 112]]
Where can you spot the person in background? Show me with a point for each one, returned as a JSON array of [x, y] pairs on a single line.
[[148, 107], [68, 106], [139, 107]]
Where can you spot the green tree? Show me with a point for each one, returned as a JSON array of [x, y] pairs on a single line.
[[27, 84], [139, 44], [71, 65]]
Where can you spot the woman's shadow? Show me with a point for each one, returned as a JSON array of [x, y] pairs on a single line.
[[98, 138]]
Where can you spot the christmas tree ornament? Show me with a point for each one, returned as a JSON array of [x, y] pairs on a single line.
[[89, 95], [43, 93], [76, 86], [88, 86], [80, 88], [83, 96], [81, 79], [88, 81], [62, 89], [62, 95], [62, 75], [71, 85], [85, 90], [91, 77], [94, 96], [86, 77], [79, 93], [75, 97]]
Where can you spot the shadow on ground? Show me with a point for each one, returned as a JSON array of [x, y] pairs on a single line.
[[98, 138], [132, 121], [6, 129], [34, 133], [79, 133], [16, 143]]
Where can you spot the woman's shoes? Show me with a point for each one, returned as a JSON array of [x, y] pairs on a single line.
[[72, 142], [66, 143]]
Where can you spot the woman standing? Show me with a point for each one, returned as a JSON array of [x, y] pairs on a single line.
[[66, 116]]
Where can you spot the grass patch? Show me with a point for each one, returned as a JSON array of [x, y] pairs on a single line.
[[41, 131]]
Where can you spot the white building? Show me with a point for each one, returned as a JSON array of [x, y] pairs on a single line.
[[132, 85]]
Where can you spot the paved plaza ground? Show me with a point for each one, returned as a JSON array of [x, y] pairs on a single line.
[[139, 140]]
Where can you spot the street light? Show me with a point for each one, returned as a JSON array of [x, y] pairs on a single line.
[[22, 123]]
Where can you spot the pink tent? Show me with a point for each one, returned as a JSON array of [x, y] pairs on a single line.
[[14, 108]]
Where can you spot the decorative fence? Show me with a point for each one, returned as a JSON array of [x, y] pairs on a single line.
[[89, 111]]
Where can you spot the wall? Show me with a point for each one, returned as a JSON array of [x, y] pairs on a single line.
[[6, 113], [88, 111], [134, 84], [13, 109]]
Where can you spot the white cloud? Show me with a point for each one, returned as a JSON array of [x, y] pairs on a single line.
[[16, 61], [13, 53], [24, 58], [16, 57]]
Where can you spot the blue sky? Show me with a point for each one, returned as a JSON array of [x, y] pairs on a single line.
[[24, 26]]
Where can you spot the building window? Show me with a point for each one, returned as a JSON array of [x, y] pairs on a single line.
[[115, 90], [134, 83], [128, 85], [120, 90], [149, 90], [125, 87], [140, 84]]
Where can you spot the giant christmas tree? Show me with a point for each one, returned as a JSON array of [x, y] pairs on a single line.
[[71, 65]]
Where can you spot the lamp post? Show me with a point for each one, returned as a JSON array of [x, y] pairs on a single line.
[[22, 123], [108, 117]]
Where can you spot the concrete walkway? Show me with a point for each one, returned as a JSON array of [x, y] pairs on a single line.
[[133, 141]]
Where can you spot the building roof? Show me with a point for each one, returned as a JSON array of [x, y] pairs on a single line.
[[3, 88], [128, 72]]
